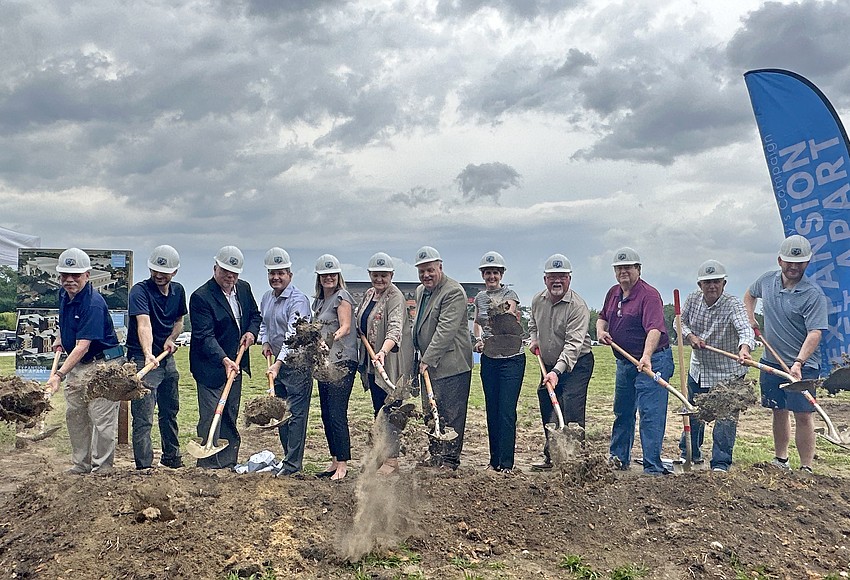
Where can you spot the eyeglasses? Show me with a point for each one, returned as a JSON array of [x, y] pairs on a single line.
[[557, 276], [620, 308]]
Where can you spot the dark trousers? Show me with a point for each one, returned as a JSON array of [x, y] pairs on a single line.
[[392, 432], [157, 380], [333, 402], [571, 392], [208, 397], [296, 386], [452, 394], [168, 402], [502, 381]]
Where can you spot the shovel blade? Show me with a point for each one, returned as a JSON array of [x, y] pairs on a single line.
[[448, 434], [44, 434], [553, 428], [800, 386], [839, 380], [198, 452], [277, 422]]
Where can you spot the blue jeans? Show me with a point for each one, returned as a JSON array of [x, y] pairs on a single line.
[[501, 379], [296, 386], [633, 392], [142, 410], [723, 435]]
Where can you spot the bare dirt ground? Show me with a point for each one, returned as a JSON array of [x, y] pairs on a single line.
[[754, 522]]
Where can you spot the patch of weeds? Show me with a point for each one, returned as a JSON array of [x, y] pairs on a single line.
[[496, 565], [463, 563], [580, 570], [268, 574], [402, 556], [629, 572], [758, 573]]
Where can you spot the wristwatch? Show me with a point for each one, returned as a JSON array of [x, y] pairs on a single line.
[[61, 375]]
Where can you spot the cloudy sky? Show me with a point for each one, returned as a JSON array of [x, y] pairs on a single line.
[[528, 127]]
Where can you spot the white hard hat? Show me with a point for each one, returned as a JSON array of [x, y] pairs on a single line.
[[557, 263], [492, 260], [795, 248], [328, 264], [625, 257], [164, 259], [427, 254], [711, 270], [380, 262], [277, 259], [230, 258], [73, 261]]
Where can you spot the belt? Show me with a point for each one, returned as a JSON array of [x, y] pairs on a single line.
[[109, 354]]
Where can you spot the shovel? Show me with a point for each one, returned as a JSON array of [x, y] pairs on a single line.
[[683, 381], [193, 447], [287, 415], [555, 404], [42, 432], [832, 435], [446, 433], [688, 410], [394, 393]]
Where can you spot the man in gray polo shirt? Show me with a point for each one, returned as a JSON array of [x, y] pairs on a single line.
[[795, 314]]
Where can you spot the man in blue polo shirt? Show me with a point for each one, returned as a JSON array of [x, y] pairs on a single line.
[[157, 307], [87, 334], [795, 314]]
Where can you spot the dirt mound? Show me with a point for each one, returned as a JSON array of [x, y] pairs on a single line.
[[310, 351], [726, 399], [264, 410], [116, 383], [425, 522], [21, 401]]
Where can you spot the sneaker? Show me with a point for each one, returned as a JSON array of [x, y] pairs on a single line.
[[614, 461], [780, 464], [103, 470], [77, 471], [807, 470], [682, 460], [172, 463], [719, 469], [542, 465]]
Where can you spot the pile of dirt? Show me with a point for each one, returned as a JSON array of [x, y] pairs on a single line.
[[21, 401], [264, 410], [726, 399], [506, 339], [309, 350], [116, 383], [425, 522]]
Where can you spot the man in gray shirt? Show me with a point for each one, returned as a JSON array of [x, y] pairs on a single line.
[[795, 314], [558, 328]]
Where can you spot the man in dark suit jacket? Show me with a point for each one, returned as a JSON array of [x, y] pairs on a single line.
[[224, 315], [441, 337]]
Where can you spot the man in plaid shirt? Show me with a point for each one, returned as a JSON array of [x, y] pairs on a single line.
[[711, 316]]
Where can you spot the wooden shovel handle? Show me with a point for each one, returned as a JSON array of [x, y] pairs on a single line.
[[775, 354], [270, 360], [372, 357], [56, 357], [149, 367], [754, 364], [552, 397], [655, 377]]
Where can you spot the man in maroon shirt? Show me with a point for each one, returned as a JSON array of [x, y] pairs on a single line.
[[633, 317]]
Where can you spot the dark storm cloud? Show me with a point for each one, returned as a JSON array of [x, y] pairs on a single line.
[[486, 180], [809, 38]]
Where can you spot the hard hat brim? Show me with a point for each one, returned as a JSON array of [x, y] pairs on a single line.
[[228, 267]]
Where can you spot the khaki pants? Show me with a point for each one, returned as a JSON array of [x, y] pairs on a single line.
[[92, 425]]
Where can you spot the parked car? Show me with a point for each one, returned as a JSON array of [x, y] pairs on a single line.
[[183, 339], [8, 340]]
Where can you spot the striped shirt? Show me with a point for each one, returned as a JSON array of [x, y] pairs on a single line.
[[723, 325]]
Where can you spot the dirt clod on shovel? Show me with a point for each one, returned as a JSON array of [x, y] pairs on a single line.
[[116, 383], [310, 351], [21, 401], [505, 329], [263, 410], [726, 399]]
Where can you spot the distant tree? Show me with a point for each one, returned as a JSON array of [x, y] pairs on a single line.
[[594, 315], [8, 288]]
